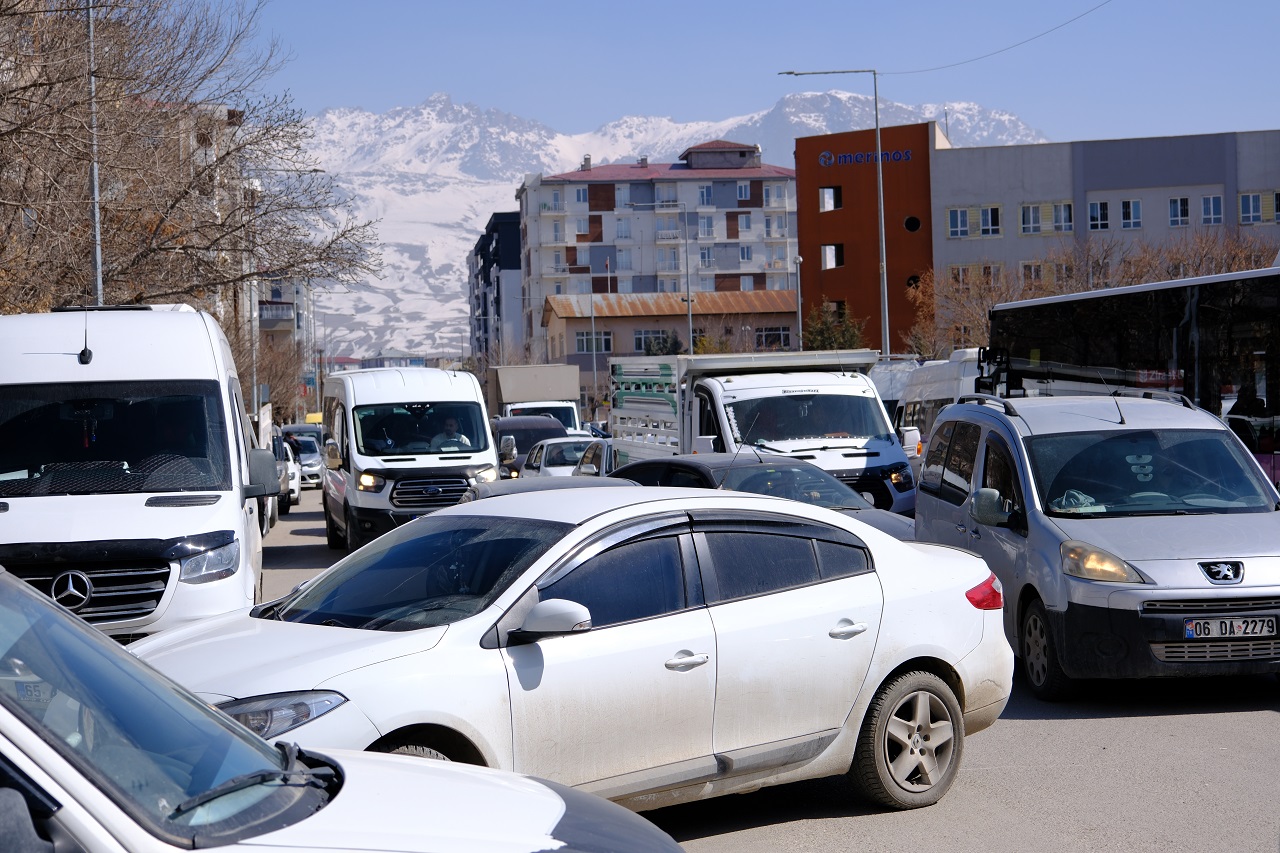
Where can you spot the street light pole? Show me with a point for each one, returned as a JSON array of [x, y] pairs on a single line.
[[884, 280]]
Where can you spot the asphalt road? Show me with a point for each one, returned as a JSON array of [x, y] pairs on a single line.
[[1179, 765]]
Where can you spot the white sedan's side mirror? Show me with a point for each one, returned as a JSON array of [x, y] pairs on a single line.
[[550, 618]]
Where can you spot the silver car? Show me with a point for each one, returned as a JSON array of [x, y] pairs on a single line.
[[1133, 537]]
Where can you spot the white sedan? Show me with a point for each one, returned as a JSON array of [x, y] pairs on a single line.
[[554, 457], [654, 646]]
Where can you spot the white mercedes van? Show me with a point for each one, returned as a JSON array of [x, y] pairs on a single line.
[[128, 483], [391, 456]]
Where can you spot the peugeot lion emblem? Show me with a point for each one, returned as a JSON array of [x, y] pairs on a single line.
[[72, 590], [1223, 571]]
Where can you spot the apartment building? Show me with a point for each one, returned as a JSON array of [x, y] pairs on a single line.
[[493, 276], [975, 214], [718, 221]]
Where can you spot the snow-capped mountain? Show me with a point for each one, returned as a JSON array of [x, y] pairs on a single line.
[[433, 175]]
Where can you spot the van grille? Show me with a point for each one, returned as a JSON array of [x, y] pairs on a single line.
[[1196, 606], [121, 590], [1224, 651], [427, 493]]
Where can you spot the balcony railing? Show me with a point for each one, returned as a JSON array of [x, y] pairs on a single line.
[[669, 266], [556, 269], [666, 204], [552, 207], [775, 234], [668, 235], [775, 203]]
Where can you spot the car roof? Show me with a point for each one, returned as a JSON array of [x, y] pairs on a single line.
[[577, 505], [571, 438], [527, 422], [1086, 413], [520, 485], [719, 461]]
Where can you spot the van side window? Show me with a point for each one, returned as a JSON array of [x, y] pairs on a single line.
[[957, 475], [999, 473], [931, 472]]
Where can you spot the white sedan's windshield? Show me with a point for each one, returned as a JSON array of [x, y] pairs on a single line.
[[155, 749], [1144, 472]]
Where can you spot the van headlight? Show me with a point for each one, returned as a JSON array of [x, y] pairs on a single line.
[[370, 483], [273, 715], [212, 565], [487, 474], [1082, 560]]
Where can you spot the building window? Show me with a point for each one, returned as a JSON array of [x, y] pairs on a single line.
[[746, 282], [557, 232], [1131, 213], [624, 259], [1250, 208], [706, 283], [775, 195], [1179, 212], [960, 280], [832, 256], [665, 195], [668, 259], [705, 198], [624, 285], [773, 337], [624, 229], [1099, 217], [744, 254], [1275, 208], [958, 222], [621, 195], [1032, 275], [1099, 273], [990, 272], [557, 203], [744, 191], [580, 195], [829, 199], [744, 222], [707, 257], [775, 226], [583, 225], [644, 336], [1062, 273], [1062, 217], [604, 342], [990, 221], [1211, 210], [706, 226], [1031, 219]]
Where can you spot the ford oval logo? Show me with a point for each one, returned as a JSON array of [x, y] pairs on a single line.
[[72, 590], [435, 491]]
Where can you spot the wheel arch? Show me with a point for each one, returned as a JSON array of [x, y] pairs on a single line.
[[932, 665], [453, 743]]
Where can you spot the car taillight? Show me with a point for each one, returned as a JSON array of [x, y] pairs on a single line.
[[987, 595]]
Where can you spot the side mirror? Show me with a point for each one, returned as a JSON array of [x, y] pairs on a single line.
[[332, 455], [588, 470], [910, 437], [263, 479], [507, 448], [550, 618], [987, 507]]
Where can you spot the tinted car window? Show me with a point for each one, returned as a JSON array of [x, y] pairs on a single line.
[[749, 564], [645, 475], [684, 478], [635, 580], [841, 561], [957, 475], [999, 473], [931, 472]]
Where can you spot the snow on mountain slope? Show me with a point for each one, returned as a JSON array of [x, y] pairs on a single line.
[[433, 175]]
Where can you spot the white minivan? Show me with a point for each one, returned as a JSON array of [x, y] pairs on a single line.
[[928, 388], [129, 485], [403, 442]]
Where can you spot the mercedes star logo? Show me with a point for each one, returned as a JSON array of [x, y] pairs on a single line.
[[1223, 571], [72, 590]]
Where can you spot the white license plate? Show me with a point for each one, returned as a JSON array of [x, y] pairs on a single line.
[[1216, 628], [34, 691]]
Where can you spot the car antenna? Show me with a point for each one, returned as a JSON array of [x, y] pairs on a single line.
[[86, 354], [1112, 394], [741, 444]]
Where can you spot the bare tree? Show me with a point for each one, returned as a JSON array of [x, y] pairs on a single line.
[[205, 181]]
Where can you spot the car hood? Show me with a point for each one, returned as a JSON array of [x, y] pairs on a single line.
[[1180, 537], [398, 803], [209, 657], [109, 517]]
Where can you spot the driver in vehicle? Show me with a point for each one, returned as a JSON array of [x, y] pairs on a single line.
[[449, 436]]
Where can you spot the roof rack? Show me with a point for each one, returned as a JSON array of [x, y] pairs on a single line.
[[1148, 394], [990, 400]]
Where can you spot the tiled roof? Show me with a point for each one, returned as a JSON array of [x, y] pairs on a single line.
[[624, 172], [717, 145], [705, 303]]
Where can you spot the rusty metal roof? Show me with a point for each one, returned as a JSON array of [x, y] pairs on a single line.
[[705, 303]]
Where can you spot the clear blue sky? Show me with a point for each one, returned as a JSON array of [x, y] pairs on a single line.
[[1129, 68]]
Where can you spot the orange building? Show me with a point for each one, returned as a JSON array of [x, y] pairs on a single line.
[[837, 219]]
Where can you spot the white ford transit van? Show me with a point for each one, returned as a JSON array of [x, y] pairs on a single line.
[[128, 483], [403, 442]]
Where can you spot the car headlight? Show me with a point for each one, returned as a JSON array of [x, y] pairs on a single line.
[[487, 474], [212, 565], [273, 715], [1082, 560], [293, 475], [901, 477], [370, 483]]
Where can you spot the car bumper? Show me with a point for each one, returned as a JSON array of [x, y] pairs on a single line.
[[1108, 642]]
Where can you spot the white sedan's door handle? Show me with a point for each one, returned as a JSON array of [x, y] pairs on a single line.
[[686, 660], [845, 629]]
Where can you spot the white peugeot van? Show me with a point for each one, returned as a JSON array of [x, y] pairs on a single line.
[[129, 488], [403, 442]]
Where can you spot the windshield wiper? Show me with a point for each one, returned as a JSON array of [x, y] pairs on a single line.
[[305, 778]]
